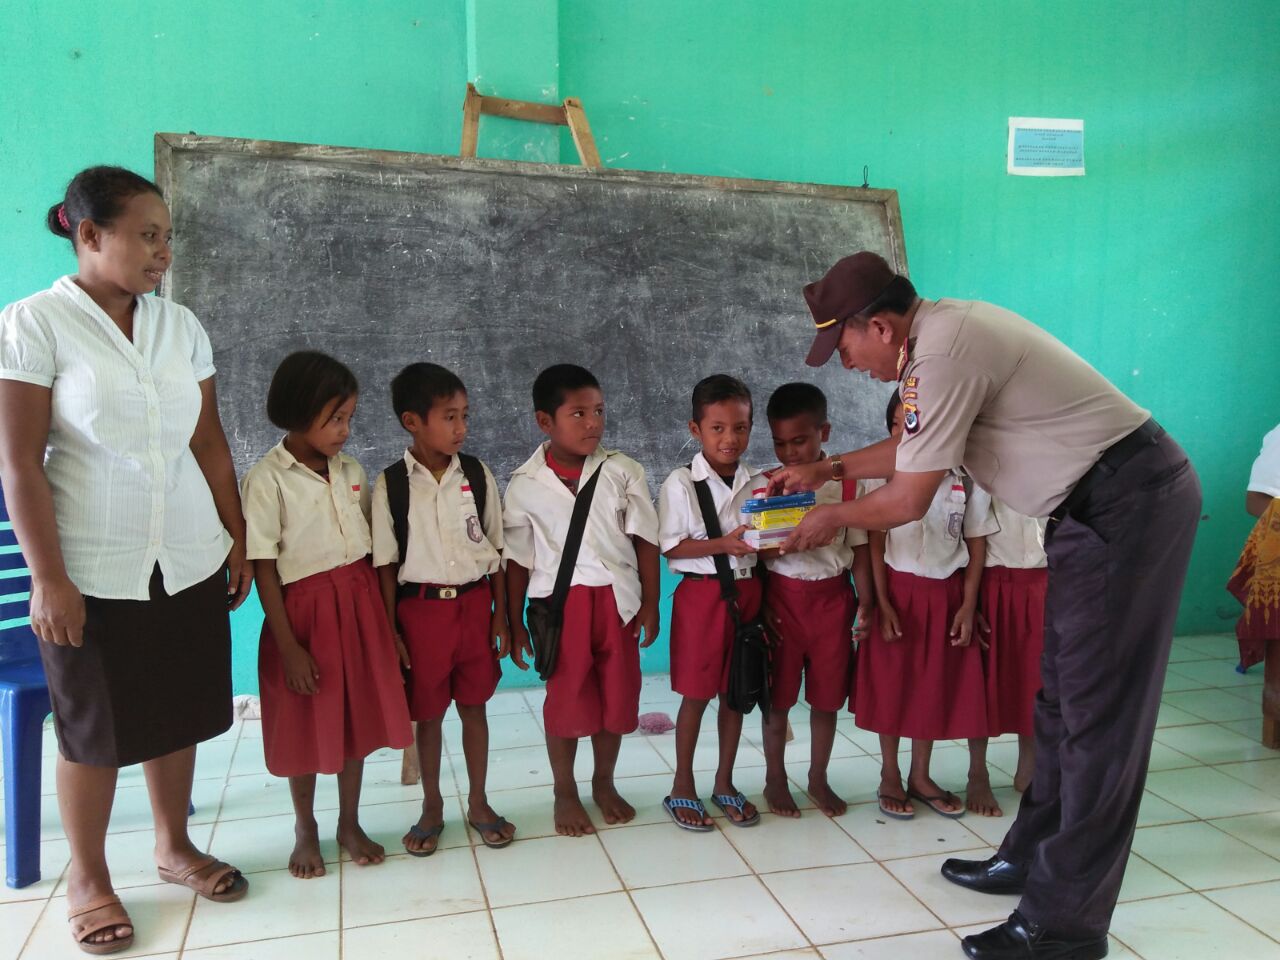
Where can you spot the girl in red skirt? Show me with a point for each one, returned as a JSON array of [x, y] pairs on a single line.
[[919, 675], [1011, 616], [328, 661]]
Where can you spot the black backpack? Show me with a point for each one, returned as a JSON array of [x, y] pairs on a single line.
[[398, 495]]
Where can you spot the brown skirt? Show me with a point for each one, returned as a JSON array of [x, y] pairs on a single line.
[[153, 676]]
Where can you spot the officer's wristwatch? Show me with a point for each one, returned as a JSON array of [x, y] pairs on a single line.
[[837, 468]]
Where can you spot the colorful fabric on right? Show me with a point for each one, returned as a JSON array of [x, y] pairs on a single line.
[[1256, 584]]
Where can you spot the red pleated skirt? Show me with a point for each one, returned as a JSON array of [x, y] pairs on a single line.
[[920, 686], [360, 704], [1013, 603]]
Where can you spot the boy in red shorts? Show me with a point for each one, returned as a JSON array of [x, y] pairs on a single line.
[[810, 606], [437, 545], [594, 689]]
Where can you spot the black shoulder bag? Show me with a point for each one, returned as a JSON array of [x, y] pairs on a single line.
[[545, 615], [397, 477], [749, 655]]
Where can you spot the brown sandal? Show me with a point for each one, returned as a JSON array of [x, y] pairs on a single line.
[[203, 877], [85, 929]]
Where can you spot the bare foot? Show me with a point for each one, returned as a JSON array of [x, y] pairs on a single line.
[[611, 803], [827, 800], [572, 819], [979, 798], [479, 811], [84, 891], [893, 797], [363, 851], [306, 861], [432, 817], [778, 796], [928, 788]]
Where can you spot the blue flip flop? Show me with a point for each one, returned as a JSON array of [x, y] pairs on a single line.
[[671, 804], [739, 803], [419, 834]]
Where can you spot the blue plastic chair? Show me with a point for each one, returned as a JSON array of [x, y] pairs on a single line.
[[24, 704]]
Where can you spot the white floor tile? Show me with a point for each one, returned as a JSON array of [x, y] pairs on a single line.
[[662, 853], [1261, 830], [277, 905], [54, 856], [131, 857], [408, 888], [1219, 673], [263, 795], [636, 758], [1203, 857], [463, 936], [1156, 810], [706, 754], [861, 900], [1216, 705], [1166, 758], [1175, 682], [1142, 881], [785, 843], [549, 868], [17, 920], [159, 916], [512, 768], [507, 702], [953, 904], [1187, 927], [747, 920], [583, 929], [315, 946], [1263, 774], [264, 843], [1208, 793], [1212, 743], [934, 945], [1255, 904], [1171, 716], [887, 839]]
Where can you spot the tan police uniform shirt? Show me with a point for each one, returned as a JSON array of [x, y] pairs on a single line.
[[1019, 543], [987, 389], [820, 563], [934, 546], [449, 543], [536, 522], [307, 524], [680, 518]]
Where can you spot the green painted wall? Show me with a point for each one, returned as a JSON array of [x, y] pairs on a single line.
[[1159, 266]]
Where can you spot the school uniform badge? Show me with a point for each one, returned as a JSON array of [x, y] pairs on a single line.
[[475, 533]]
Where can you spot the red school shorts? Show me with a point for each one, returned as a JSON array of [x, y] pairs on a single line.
[[702, 635], [816, 640], [451, 652], [595, 686]]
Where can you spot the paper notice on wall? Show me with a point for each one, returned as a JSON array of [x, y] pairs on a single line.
[[1039, 147]]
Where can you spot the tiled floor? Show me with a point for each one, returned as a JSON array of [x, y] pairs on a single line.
[[1203, 881]]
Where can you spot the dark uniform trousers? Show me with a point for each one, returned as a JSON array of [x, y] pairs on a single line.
[[1117, 563]]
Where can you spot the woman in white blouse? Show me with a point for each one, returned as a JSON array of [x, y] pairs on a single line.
[[123, 496]]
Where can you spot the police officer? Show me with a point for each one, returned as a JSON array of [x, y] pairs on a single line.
[[1032, 423]]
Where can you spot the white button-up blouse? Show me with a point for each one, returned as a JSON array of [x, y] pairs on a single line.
[[127, 491]]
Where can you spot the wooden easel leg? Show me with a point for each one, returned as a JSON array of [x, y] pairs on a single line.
[[1271, 697], [470, 127], [576, 118], [410, 769]]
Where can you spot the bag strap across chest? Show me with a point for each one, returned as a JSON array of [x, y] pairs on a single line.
[[397, 479]]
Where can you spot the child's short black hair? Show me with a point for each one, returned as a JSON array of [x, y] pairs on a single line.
[[97, 194], [717, 388], [303, 384], [794, 399], [418, 386], [550, 386], [891, 410]]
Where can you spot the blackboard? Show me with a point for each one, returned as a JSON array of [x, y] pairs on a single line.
[[497, 269]]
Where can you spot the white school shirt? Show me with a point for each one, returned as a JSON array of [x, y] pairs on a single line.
[[305, 523], [679, 517], [449, 544], [535, 522], [926, 547], [820, 563], [1019, 543], [1265, 475], [127, 491]]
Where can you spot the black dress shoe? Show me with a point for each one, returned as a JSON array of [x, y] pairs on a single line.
[[992, 875], [1021, 939]]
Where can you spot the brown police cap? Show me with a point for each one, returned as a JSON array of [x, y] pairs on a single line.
[[848, 288]]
